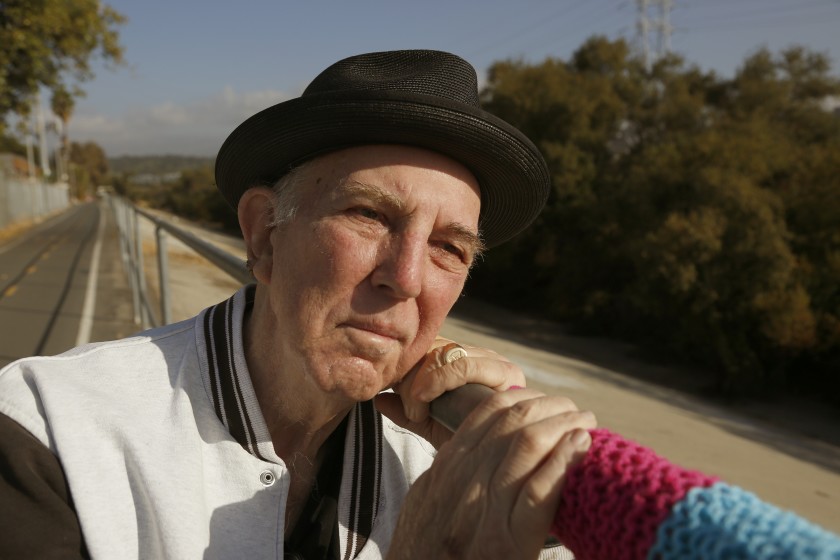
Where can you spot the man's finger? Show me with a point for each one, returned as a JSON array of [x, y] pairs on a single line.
[[430, 383], [539, 498]]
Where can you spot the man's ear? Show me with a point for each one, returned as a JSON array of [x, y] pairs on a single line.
[[256, 211]]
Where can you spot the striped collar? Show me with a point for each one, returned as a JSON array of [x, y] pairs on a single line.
[[220, 343]]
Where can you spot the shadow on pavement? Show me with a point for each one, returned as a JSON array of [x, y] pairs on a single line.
[[806, 430]]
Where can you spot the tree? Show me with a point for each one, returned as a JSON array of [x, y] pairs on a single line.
[[688, 213], [62, 106], [194, 196], [90, 167], [10, 144], [579, 114], [50, 44]]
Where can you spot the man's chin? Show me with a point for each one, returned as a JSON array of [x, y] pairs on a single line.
[[359, 394], [359, 378]]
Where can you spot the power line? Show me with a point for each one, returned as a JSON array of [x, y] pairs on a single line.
[[764, 21], [599, 15], [564, 11], [757, 4], [765, 11], [770, 24]]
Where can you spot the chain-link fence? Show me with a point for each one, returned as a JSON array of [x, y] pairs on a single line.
[[23, 199]]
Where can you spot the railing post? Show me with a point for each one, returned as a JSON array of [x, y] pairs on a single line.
[[119, 217], [163, 275], [127, 217], [141, 276], [132, 268]]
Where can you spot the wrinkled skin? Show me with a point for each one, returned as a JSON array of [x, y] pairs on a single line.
[[494, 487], [352, 291], [351, 294]]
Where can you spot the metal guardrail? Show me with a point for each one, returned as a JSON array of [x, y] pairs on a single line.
[[131, 247]]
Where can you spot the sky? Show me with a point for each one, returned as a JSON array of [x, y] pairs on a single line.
[[196, 69]]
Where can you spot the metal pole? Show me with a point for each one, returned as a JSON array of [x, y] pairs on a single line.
[[60, 171], [163, 275], [116, 207], [665, 7], [643, 31], [135, 292], [42, 135], [138, 267], [227, 262], [453, 407]]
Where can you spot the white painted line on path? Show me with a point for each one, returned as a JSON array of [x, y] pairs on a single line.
[[89, 306]]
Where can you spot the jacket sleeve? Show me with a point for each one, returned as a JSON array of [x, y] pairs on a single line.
[[36, 509]]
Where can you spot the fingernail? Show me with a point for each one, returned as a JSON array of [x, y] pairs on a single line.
[[513, 387], [581, 439]]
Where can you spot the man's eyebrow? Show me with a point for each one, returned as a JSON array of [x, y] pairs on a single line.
[[467, 237], [461, 233], [376, 194]]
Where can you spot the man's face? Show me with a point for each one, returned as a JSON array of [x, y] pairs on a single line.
[[364, 275]]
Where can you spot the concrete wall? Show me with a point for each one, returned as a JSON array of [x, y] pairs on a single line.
[[23, 199]]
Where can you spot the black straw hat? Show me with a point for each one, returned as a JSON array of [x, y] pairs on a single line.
[[427, 99]]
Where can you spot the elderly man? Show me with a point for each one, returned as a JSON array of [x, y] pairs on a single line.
[[265, 426]]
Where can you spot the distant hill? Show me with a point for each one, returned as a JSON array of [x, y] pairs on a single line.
[[156, 165]]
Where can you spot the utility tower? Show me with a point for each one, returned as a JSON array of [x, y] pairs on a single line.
[[659, 22]]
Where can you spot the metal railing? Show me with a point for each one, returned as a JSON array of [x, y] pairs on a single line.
[[131, 248], [24, 199]]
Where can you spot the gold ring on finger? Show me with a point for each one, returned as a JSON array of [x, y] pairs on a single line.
[[455, 353]]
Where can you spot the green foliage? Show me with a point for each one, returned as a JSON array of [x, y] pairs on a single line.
[[690, 213], [157, 164], [10, 144], [193, 195], [62, 104], [89, 168], [49, 43]]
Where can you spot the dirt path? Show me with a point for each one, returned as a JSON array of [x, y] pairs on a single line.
[[796, 468]]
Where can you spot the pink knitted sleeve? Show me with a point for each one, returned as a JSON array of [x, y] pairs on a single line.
[[616, 499]]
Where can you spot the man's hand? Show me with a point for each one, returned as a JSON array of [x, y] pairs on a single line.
[[408, 406], [494, 488]]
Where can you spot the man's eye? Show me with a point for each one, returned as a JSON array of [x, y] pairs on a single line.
[[368, 213], [453, 250]]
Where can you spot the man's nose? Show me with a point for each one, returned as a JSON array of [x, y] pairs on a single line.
[[401, 265]]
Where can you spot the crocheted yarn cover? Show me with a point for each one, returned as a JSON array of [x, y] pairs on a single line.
[[727, 522], [624, 502], [617, 497]]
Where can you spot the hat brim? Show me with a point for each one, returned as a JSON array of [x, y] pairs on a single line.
[[510, 171]]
